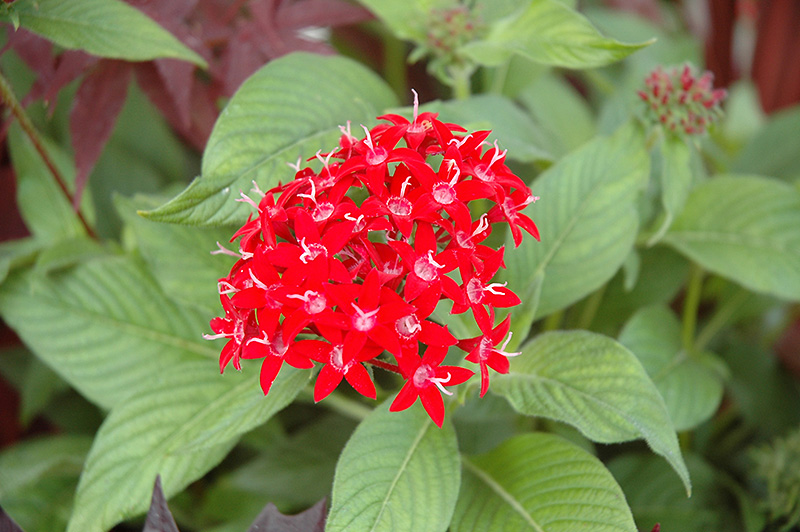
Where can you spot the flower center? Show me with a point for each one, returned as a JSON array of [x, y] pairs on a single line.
[[443, 193], [322, 211], [408, 326], [426, 268], [423, 374], [311, 251], [474, 291], [377, 155], [399, 206], [315, 303], [484, 173], [364, 321], [337, 361]]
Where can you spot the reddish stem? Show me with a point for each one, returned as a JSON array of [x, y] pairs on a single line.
[[385, 365], [8, 98]]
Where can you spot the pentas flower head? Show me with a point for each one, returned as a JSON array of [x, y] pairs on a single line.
[[323, 281], [681, 101]]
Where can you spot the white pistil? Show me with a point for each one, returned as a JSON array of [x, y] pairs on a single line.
[[483, 225], [216, 336], [313, 195], [224, 287], [257, 190], [406, 184], [257, 281], [295, 166], [502, 350]]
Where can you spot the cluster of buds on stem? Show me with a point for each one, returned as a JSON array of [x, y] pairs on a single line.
[[680, 101], [322, 278]]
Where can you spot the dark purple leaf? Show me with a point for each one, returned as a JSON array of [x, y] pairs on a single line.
[[95, 109], [178, 77], [322, 13], [159, 518], [271, 520], [6, 523], [69, 65]]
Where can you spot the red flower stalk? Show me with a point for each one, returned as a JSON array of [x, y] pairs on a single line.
[[322, 279]]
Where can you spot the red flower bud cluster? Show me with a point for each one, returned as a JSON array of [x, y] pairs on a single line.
[[680, 101], [363, 277]]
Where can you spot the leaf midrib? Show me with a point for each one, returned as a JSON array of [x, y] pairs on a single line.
[[411, 450], [502, 493]]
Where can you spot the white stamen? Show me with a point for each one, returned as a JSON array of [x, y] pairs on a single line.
[[225, 251], [295, 166], [502, 349], [440, 382], [492, 288], [368, 140], [247, 199], [497, 154], [459, 142], [313, 195], [416, 105], [406, 184], [257, 190], [483, 225], [216, 336], [224, 287], [257, 281]]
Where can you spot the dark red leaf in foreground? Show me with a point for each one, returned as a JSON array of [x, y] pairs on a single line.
[[8, 525], [271, 520], [97, 104], [159, 518]]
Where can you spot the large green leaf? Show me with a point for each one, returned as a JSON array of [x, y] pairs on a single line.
[[179, 256], [560, 111], [689, 383], [179, 427], [769, 153], [542, 483], [548, 32], [746, 229], [107, 28], [595, 384], [291, 108], [104, 326], [399, 472], [587, 218]]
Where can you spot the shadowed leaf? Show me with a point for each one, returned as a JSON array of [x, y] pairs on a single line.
[[159, 518], [271, 520], [7, 524]]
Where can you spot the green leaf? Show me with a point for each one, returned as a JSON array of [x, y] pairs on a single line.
[[45, 209], [104, 326], [41, 384], [690, 385], [180, 426], [595, 384], [744, 228], [560, 111], [511, 126], [551, 33], [276, 116], [655, 495], [17, 253], [38, 479], [542, 483], [403, 17], [587, 218], [179, 256], [768, 152], [106, 28], [676, 180], [398, 472]]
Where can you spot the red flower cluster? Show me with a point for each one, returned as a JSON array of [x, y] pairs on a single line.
[[681, 101], [364, 278]]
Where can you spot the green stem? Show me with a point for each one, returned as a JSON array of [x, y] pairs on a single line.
[[590, 308], [461, 82], [10, 100], [690, 305], [499, 78], [394, 64], [553, 321], [720, 318]]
